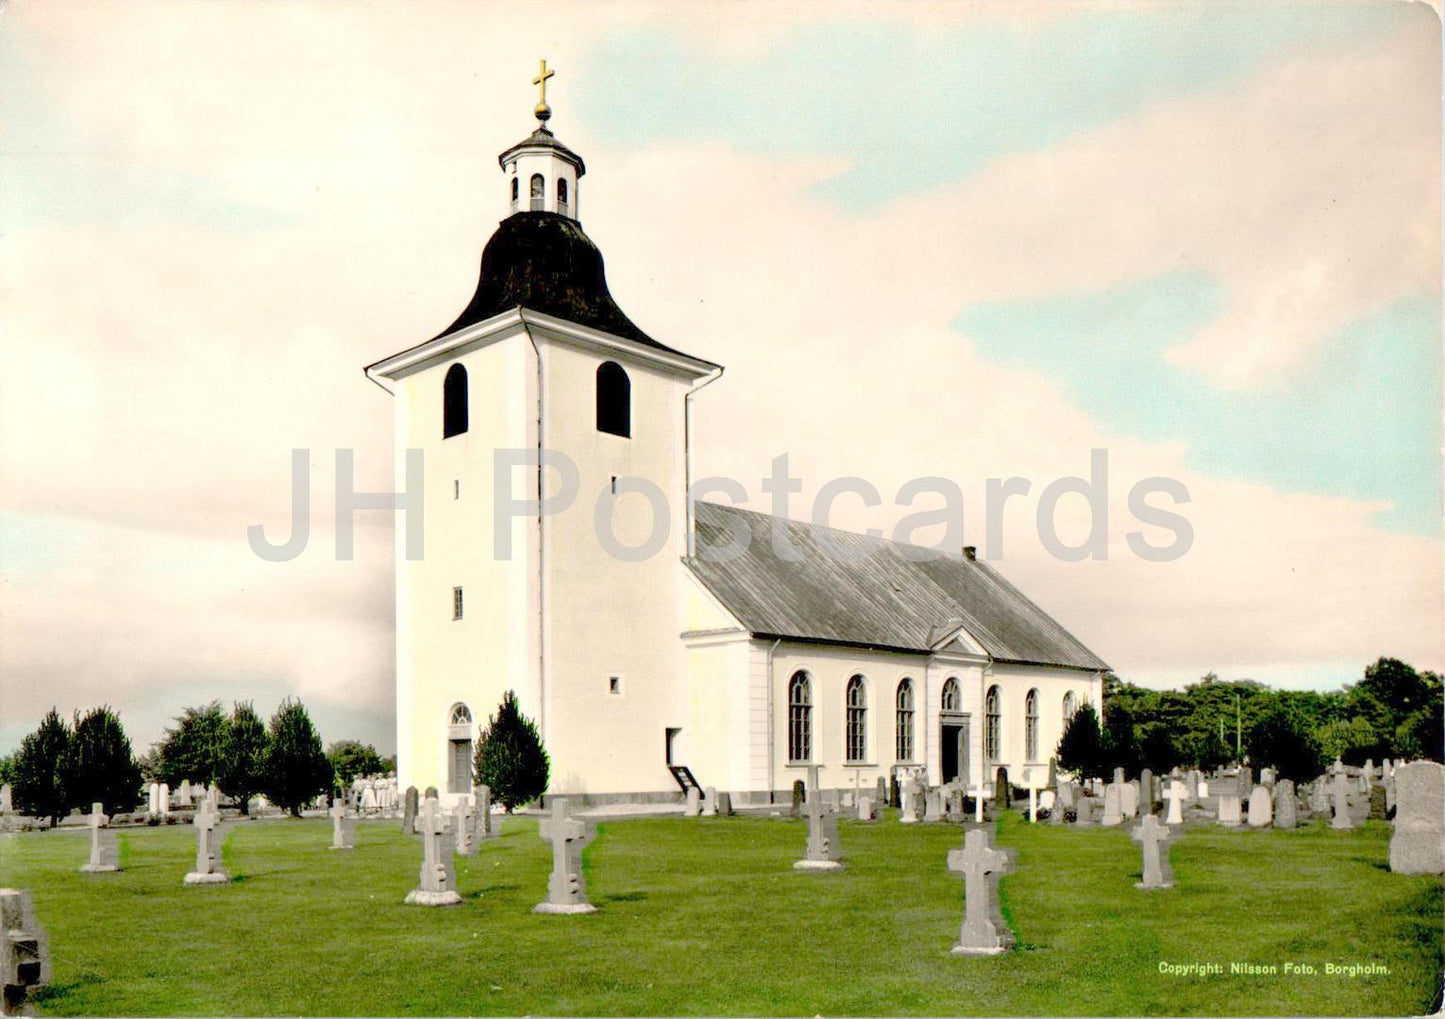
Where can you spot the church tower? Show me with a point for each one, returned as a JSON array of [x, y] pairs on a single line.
[[553, 437]]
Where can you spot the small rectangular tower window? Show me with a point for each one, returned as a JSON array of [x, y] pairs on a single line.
[[456, 603], [456, 488], [614, 684]]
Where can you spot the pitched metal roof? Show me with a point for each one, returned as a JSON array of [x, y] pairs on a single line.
[[893, 595]]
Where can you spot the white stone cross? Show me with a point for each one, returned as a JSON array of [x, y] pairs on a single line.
[[1154, 838], [566, 892], [103, 859], [343, 835], [822, 853], [1175, 795], [981, 866], [206, 823], [1340, 793], [434, 886]]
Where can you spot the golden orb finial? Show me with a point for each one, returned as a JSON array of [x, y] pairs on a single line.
[[543, 111]]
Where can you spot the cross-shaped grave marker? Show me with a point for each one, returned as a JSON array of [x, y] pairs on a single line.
[[984, 931], [434, 886], [566, 892], [1154, 838], [822, 853], [207, 824], [103, 856], [1340, 793], [343, 828]]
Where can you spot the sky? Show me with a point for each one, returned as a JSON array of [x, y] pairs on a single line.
[[965, 241]]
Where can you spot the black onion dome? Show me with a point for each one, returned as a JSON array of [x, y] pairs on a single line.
[[543, 262]]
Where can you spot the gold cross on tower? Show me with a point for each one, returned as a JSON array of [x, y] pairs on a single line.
[[543, 111]]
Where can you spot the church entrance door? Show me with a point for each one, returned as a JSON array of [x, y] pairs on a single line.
[[953, 747], [459, 771]]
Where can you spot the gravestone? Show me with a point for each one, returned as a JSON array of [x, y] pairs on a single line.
[[798, 796], [881, 797], [1244, 783], [709, 803], [1083, 811], [1203, 789], [955, 804], [725, 804], [7, 801], [1417, 843], [343, 828], [1261, 808], [1229, 809], [436, 885], [183, 794], [462, 839], [24, 952], [104, 858], [1319, 796], [1174, 796], [482, 826], [153, 796], [163, 800], [1286, 810], [1367, 774], [1112, 814], [1389, 787], [1377, 803], [1033, 805], [983, 931], [208, 848], [895, 792], [1047, 800], [1154, 838], [822, 852], [907, 813], [409, 811], [865, 809], [1147, 798], [1119, 776], [693, 803], [1129, 799], [1000, 789], [1266, 776], [1340, 800], [1053, 772], [566, 891], [933, 805], [1191, 785]]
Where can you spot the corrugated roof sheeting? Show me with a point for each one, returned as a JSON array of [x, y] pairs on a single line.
[[879, 597]]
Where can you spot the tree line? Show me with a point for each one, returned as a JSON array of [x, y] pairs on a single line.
[[1394, 711], [63, 766]]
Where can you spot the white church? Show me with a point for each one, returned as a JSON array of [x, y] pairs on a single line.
[[647, 674]]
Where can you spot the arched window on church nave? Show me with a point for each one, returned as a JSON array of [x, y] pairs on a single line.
[[992, 719], [1031, 726], [459, 749], [1070, 706], [903, 748], [614, 400], [454, 402], [800, 717], [950, 695], [516, 192], [539, 192], [857, 698], [562, 195]]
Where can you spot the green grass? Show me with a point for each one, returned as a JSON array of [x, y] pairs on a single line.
[[707, 917]]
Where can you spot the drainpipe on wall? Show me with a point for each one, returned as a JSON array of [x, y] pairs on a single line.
[[687, 464], [772, 746]]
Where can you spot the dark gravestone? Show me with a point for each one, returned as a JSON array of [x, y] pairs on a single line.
[[1053, 772], [1000, 789], [1146, 793], [431, 793], [895, 793], [882, 796], [1377, 803], [798, 797], [408, 814], [725, 804]]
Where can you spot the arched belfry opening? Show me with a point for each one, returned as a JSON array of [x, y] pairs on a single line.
[[614, 400], [454, 402]]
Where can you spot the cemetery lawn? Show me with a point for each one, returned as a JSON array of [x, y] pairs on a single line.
[[707, 917]]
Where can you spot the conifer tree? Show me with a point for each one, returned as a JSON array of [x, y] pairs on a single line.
[[296, 770], [243, 763], [510, 758], [39, 770], [99, 766], [1081, 748]]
